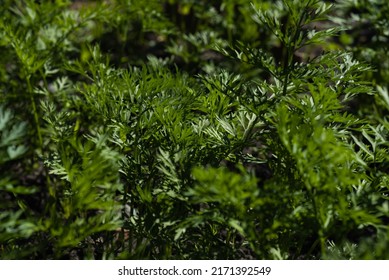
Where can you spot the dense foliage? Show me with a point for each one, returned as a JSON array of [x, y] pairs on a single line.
[[183, 129]]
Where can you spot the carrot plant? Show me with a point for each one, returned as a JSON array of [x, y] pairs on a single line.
[[183, 130]]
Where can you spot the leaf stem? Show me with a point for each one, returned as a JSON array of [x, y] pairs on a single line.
[[34, 111]]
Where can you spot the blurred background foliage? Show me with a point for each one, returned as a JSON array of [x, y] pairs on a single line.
[[184, 129]]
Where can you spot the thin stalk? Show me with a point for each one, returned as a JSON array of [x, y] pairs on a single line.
[[34, 111], [291, 47], [286, 71], [320, 221]]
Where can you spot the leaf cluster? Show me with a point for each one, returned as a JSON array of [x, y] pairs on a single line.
[[191, 130]]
